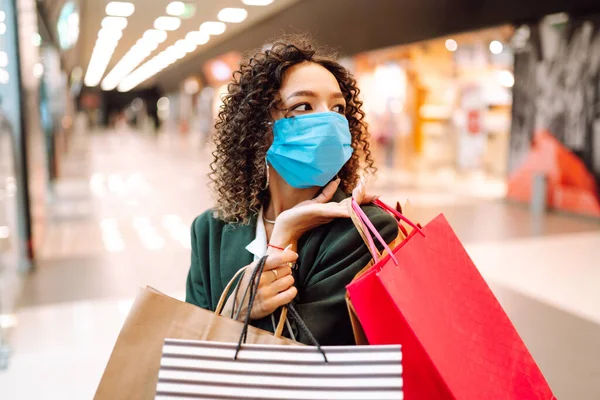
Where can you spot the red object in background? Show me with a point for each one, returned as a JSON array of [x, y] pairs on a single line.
[[90, 101], [571, 187], [474, 122], [184, 126], [457, 341]]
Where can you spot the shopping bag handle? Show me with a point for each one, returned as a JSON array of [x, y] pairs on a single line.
[[363, 232], [256, 273], [397, 214], [365, 220], [223, 297], [363, 217]]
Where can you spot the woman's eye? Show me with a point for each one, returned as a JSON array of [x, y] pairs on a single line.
[[339, 109], [301, 108]]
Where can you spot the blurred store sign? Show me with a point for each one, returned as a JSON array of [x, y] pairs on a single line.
[[219, 69]]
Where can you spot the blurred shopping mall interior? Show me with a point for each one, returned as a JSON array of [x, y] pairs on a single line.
[[488, 112]]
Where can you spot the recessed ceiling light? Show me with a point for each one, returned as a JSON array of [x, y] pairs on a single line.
[[213, 28], [234, 15], [155, 35], [198, 37], [109, 35], [119, 9], [451, 45], [176, 8], [257, 2], [118, 23], [184, 45], [167, 23], [496, 47]]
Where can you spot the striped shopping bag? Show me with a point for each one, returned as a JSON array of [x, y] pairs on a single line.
[[192, 369]]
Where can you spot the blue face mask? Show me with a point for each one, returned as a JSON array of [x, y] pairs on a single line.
[[309, 150]]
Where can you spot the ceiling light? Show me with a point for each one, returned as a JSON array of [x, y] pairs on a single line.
[[213, 28], [2, 28], [109, 35], [180, 52], [155, 35], [451, 45], [190, 47], [197, 37], [167, 23], [176, 8], [2, 16], [117, 23], [234, 15], [3, 59], [119, 9], [257, 2], [496, 47], [105, 45]]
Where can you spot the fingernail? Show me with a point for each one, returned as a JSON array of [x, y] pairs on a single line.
[[289, 247]]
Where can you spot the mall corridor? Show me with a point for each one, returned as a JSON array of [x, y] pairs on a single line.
[[113, 114], [120, 221]]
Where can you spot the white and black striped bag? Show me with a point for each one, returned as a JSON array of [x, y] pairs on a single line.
[[192, 369]]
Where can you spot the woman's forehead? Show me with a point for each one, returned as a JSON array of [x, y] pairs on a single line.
[[308, 77]]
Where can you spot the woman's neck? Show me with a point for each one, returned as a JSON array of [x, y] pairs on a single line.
[[283, 196]]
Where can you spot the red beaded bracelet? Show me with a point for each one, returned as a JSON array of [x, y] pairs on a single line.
[[275, 247]]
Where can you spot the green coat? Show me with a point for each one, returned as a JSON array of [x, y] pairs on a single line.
[[329, 257]]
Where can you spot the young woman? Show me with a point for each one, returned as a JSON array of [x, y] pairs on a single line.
[[290, 147]]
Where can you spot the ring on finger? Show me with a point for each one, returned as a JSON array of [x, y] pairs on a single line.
[[274, 272]]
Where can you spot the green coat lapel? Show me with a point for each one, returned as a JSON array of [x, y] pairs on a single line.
[[234, 239]]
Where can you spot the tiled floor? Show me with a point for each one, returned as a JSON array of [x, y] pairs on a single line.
[[121, 221]]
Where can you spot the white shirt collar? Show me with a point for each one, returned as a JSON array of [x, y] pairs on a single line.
[[258, 246]]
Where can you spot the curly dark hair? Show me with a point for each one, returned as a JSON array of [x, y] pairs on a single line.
[[243, 131]]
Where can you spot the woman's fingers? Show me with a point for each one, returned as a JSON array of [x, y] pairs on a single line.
[[274, 274], [281, 299], [360, 192], [328, 192], [282, 284], [369, 198], [280, 258]]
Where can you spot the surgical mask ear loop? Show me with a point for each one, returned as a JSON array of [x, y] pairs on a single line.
[[266, 174], [269, 123]]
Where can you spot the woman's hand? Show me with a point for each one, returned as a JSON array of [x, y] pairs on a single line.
[[275, 287], [293, 223]]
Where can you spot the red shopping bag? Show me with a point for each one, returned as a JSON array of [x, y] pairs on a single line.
[[457, 341]]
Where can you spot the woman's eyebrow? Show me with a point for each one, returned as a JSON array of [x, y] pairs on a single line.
[[310, 93], [302, 93]]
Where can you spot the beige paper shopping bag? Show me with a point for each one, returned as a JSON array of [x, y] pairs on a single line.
[[132, 370]]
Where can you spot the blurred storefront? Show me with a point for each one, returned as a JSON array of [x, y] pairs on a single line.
[[556, 115], [194, 108], [15, 213], [440, 104]]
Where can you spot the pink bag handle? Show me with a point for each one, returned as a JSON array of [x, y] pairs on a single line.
[[363, 217], [370, 241], [395, 212]]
